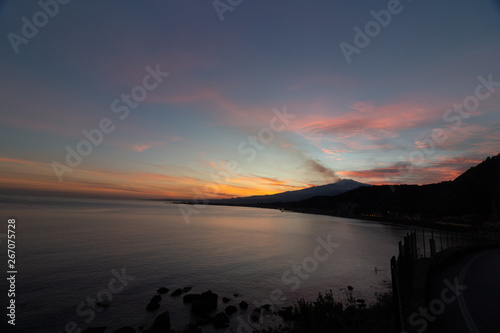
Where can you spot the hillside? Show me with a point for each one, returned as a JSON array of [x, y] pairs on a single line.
[[473, 197], [341, 186]]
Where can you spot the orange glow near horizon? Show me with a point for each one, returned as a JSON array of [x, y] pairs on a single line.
[[38, 177], [136, 184]]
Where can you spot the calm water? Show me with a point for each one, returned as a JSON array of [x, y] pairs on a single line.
[[67, 249]]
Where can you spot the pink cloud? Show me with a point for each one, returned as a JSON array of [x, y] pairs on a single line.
[[142, 147], [382, 122], [330, 152], [363, 107], [224, 110], [23, 162], [443, 169]]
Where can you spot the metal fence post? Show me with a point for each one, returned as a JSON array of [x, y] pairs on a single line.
[[423, 238], [441, 239]]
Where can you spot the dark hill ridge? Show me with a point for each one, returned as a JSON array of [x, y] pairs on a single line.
[[341, 186], [473, 197], [476, 191]]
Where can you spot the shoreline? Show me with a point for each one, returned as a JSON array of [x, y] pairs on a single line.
[[387, 220]]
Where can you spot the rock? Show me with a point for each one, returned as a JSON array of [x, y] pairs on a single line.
[[350, 288], [204, 320], [152, 306], [154, 303], [104, 304], [206, 303], [220, 320], [191, 297], [95, 330], [230, 310], [186, 289], [192, 328], [255, 315], [162, 290], [200, 306], [266, 308], [211, 297], [177, 292], [243, 305], [161, 324], [155, 299], [236, 295], [126, 329], [225, 299]]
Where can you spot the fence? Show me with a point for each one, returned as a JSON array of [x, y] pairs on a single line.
[[415, 246], [402, 270], [445, 239]]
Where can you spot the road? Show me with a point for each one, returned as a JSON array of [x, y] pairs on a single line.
[[476, 308]]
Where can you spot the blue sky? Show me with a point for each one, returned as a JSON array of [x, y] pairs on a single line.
[[371, 119]]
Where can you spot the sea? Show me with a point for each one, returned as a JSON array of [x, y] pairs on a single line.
[[72, 252]]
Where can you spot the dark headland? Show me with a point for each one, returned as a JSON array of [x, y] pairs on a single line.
[[471, 200]]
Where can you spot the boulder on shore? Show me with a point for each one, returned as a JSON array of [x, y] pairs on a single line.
[[191, 297], [204, 320], [255, 315], [243, 305], [95, 330], [125, 329], [230, 310], [206, 303], [177, 292], [266, 307], [220, 320], [161, 324], [155, 299], [154, 303], [193, 328], [162, 290], [104, 303]]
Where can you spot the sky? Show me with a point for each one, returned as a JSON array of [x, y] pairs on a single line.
[[179, 99]]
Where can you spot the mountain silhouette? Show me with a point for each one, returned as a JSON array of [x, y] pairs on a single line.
[[473, 198], [341, 186]]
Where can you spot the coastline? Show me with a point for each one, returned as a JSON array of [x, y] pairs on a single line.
[[387, 220]]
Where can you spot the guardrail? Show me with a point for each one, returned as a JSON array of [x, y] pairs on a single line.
[[425, 244]]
